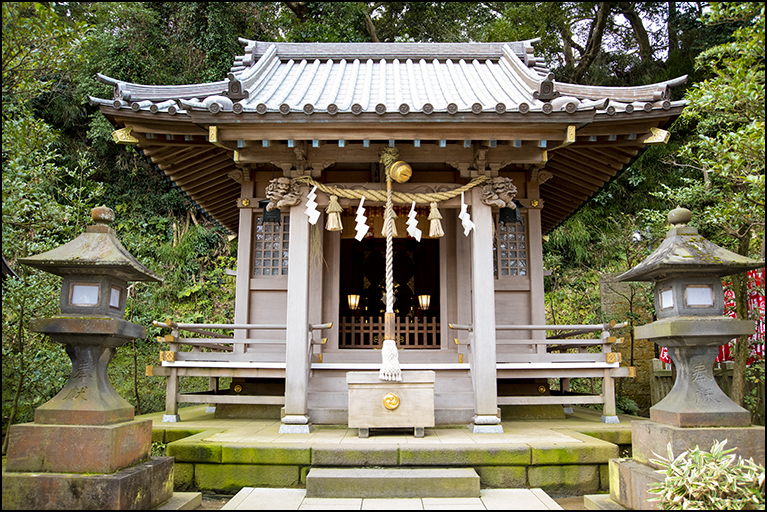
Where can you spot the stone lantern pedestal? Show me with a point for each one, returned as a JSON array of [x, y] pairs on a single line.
[[689, 303], [85, 450]]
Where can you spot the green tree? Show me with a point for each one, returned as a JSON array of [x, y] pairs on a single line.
[[726, 191]]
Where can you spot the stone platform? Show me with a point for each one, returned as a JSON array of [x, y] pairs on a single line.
[[567, 457]]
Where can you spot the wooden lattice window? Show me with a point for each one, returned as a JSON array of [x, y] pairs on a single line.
[[510, 249], [270, 255]]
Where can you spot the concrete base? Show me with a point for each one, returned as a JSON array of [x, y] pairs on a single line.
[[485, 429], [143, 486], [392, 483], [171, 418], [610, 419], [295, 429], [649, 437], [78, 448]]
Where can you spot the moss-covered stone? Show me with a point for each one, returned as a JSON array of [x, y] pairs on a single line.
[[289, 454], [183, 476], [158, 436], [570, 480], [590, 451], [604, 478], [618, 436], [502, 477], [195, 452], [172, 435], [230, 478], [354, 455], [466, 455], [303, 471]]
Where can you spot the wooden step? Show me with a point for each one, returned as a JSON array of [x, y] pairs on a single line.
[[392, 483]]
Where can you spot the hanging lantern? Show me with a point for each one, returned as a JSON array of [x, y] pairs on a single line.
[[424, 301], [334, 215], [435, 226], [354, 301], [274, 216], [509, 215]]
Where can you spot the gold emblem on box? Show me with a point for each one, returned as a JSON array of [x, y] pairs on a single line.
[[391, 401]]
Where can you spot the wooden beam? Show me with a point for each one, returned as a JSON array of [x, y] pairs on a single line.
[[393, 131], [565, 170], [623, 127], [427, 153]]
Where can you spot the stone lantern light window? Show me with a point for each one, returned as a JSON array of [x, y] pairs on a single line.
[[699, 296], [82, 294]]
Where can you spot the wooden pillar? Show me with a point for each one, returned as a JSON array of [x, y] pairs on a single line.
[[244, 267], [486, 419], [295, 420]]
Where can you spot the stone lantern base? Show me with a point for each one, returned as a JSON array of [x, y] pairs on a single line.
[[140, 487], [630, 478], [85, 467]]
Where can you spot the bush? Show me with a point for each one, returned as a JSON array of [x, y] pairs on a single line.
[[701, 480]]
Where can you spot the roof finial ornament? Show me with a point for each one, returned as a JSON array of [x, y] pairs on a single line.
[[679, 217], [546, 92]]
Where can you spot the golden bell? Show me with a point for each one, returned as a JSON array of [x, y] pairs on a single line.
[[400, 171]]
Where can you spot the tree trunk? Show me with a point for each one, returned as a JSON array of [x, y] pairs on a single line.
[[673, 40], [594, 44], [645, 49], [742, 349]]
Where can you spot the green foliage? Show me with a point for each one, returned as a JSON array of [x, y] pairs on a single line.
[[714, 480]]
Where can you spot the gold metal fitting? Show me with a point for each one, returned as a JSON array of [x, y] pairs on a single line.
[[541, 389], [400, 171], [391, 401], [237, 388]]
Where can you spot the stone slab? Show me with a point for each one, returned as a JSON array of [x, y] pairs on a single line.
[[392, 483], [572, 480], [273, 454], [601, 502], [629, 482], [359, 455], [259, 498], [649, 437], [369, 397], [485, 454], [583, 450], [182, 501], [143, 486], [229, 478], [78, 448]]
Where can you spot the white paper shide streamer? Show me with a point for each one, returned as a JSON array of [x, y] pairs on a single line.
[[468, 225], [311, 207], [362, 226], [412, 224]]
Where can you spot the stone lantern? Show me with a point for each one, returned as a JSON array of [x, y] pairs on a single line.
[[96, 269], [689, 303], [85, 450]]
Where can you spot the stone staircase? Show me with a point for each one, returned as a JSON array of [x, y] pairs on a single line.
[[392, 483]]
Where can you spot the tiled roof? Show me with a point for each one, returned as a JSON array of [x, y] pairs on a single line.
[[387, 78]]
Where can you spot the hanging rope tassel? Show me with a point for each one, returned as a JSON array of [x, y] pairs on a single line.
[[390, 368], [391, 219], [435, 226], [334, 215]]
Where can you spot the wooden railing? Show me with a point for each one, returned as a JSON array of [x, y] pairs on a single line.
[[367, 332], [551, 358]]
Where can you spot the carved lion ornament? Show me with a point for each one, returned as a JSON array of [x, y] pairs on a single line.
[[500, 192], [282, 193]]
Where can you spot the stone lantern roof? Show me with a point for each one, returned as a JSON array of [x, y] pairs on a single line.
[[95, 252], [684, 251]]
